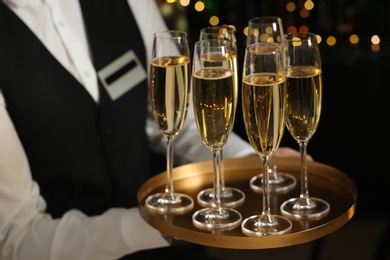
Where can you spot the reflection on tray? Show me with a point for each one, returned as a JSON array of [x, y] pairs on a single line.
[[325, 182]]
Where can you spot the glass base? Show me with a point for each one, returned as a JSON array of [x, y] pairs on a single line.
[[164, 203], [230, 197], [309, 209], [283, 183], [253, 226], [216, 218]]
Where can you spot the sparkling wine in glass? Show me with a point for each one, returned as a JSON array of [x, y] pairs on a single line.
[[304, 102], [269, 29], [230, 196], [214, 97], [263, 105], [169, 95]]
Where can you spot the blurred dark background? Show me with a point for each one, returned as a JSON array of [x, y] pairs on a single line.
[[352, 135]]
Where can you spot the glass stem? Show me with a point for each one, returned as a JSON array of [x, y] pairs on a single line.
[[169, 186], [217, 177], [266, 217], [273, 169], [304, 182], [222, 172]]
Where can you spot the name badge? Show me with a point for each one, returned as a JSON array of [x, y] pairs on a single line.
[[122, 74]]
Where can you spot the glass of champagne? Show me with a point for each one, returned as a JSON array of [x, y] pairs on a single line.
[[304, 101], [214, 96], [263, 106], [230, 197], [169, 95], [269, 29]]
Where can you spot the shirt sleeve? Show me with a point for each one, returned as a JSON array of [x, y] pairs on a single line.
[[26, 232]]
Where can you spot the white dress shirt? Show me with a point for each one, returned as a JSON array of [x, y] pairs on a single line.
[[26, 232]]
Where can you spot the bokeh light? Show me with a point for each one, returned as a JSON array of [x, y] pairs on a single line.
[[290, 7], [331, 41], [199, 6], [375, 39], [214, 20]]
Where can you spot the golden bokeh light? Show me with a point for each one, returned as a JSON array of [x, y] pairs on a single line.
[[290, 7], [296, 42], [319, 38], [184, 2], [331, 41], [199, 6], [214, 20], [375, 39], [354, 39], [291, 29], [309, 5], [245, 31], [304, 13]]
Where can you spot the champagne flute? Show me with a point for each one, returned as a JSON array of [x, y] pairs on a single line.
[[265, 29], [263, 105], [269, 29], [214, 95], [304, 101], [230, 197], [169, 94]]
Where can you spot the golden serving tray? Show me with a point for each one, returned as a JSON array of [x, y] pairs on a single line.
[[324, 182]]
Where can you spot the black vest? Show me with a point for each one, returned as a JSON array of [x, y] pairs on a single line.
[[83, 155]]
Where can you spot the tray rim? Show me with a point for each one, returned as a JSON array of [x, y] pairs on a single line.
[[234, 242]]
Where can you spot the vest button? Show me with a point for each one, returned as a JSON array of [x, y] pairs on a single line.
[[109, 130]]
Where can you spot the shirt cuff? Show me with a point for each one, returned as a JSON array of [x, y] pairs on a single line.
[[138, 234]]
